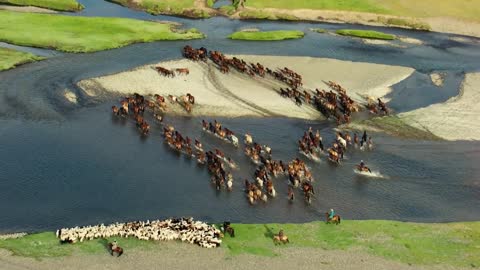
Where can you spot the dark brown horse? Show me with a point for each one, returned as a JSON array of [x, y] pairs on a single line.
[[117, 250], [335, 220]]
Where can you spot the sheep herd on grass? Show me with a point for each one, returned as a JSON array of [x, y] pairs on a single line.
[[183, 229]]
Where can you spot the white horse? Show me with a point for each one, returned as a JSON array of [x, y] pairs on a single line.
[[260, 182], [234, 140], [248, 139], [342, 141]]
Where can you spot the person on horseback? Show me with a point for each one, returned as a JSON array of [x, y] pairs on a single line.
[[332, 214], [364, 138], [114, 245], [362, 165]]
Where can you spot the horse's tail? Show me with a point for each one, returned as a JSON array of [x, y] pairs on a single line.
[[339, 219]]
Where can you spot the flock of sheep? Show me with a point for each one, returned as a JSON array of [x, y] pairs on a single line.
[[183, 229]]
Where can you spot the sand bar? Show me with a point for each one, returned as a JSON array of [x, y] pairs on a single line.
[[455, 119], [237, 95]]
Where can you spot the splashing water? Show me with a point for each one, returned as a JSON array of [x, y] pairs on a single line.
[[373, 174]]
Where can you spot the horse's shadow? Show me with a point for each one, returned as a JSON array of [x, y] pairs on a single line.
[[268, 233], [104, 243]]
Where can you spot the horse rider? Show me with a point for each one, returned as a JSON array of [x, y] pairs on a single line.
[[362, 165], [332, 214], [114, 245], [364, 138]]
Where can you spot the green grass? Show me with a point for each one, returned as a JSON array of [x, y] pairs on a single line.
[[348, 5], [404, 23], [365, 34], [267, 35], [10, 58], [263, 14], [318, 30], [82, 34], [462, 9], [228, 10], [61, 5], [210, 3], [170, 7], [455, 244], [44, 245], [395, 126], [452, 243]]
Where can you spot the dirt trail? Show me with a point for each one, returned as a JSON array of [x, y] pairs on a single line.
[[170, 255]]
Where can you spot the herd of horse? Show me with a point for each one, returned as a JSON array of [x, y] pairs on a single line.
[[311, 145], [333, 103], [171, 73]]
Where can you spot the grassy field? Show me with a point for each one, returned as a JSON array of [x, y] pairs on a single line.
[[10, 58], [415, 243], [462, 9], [452, 243], [172, 7], [365, 34], [267, 35], [82, 34], [350, 5], [61, 5]]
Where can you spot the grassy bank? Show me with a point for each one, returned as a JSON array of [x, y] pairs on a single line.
[[10, 58], [268, 15], [83, 34], [393, 125], [168, 7], [453, 244], [267, 35], [462, 9], [348, 5], [60, 5], [365, 34]]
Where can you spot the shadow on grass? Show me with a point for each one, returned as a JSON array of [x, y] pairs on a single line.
[[269, 233], [104, 243]]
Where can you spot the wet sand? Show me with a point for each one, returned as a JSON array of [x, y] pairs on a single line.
[[236, 94]]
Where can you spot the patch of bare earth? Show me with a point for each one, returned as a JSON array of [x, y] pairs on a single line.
[[27, 9], [168, 255]]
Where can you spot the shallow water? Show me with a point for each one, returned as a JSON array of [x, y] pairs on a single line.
[[65, 165], [82, 171]]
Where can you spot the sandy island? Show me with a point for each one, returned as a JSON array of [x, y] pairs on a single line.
[[236, 94], [455, 119]]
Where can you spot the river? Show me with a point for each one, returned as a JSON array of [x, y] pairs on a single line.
[[66, 165]]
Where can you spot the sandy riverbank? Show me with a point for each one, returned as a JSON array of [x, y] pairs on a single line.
[[27, 9], [235, 94], [182, 256], [456, 119], [437, 24]]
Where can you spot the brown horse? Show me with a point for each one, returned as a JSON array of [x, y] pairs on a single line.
[[280, 238], [335, 220], [118, 250], [115, 110], [363, 169], [183, 71]]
